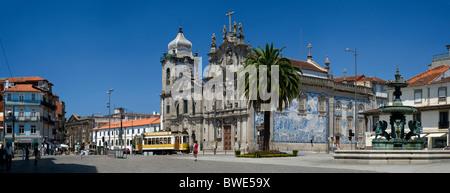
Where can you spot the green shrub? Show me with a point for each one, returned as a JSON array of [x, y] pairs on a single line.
[[257, 154], [237, 152], [295, 152]]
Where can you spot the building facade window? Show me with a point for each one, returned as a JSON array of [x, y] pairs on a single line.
[[21, 97], [185, 104], [443, 120], [338, 106], [418, 96], [21, 129], [21, 113], [302, 103], [349, 123], [33, 129], [442, 93], [33, 112], [337, 125], [9, 129], [322, 106], [33, 96]]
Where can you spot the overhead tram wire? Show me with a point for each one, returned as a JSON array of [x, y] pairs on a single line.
[[6, 59]]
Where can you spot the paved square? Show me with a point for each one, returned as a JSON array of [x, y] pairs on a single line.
[[220, 163]]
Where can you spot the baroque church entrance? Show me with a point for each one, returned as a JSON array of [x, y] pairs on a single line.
[[227, 137]]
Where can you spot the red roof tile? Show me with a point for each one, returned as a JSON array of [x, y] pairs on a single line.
[[359, 78], [428, 76], [23, 88], [307, 65]]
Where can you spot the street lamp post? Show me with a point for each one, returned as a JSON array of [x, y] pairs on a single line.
[[355, 53], [109, 114]]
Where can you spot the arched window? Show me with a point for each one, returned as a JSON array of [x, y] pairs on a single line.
[[350, 107], [185, 104], [338, 106], [360, 108]]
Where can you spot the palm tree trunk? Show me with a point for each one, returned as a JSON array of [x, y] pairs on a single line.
[[266, 132]]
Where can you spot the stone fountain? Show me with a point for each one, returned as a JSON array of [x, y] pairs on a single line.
[[395, 147], [397, 139]]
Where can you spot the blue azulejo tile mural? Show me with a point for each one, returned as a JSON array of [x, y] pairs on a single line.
[[290, 127]]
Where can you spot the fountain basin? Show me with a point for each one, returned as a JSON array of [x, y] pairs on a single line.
[[397, 144], [406, 110]]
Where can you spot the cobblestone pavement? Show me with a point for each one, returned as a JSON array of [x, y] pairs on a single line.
[[305, 162]]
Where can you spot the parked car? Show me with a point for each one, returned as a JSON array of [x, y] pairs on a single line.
[[127, 151]]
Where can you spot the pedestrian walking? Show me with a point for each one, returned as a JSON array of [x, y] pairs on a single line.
[[81, 151], [37, 155], [23, 153], [2, 157], [8, 157], [195, 150]]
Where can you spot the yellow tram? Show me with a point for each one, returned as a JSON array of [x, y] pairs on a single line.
[[164, 142]]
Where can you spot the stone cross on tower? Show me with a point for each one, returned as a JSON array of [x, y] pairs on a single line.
[[309, 49], [229, 15]]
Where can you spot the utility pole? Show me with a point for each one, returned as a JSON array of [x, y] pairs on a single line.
[[109, 114]]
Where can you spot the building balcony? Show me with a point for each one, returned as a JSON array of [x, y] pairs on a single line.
[[30, 119], [22, 102]]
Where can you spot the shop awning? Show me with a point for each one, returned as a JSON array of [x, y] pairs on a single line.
[[436, 135]]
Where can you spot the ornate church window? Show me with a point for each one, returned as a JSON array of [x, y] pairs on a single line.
[[360, 108], [302, 103], [349, 107], [349, 123], [338, 106], [322, 106]]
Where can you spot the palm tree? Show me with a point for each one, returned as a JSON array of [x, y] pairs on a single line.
[[289, 82]]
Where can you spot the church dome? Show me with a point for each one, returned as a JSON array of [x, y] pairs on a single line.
[[180, 45]]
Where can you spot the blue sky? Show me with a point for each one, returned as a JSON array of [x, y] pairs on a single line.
[[86, 47]]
